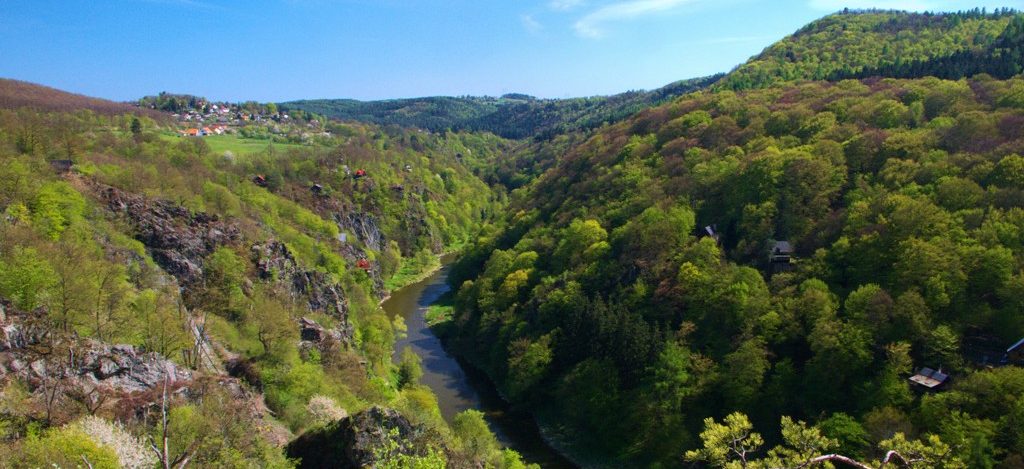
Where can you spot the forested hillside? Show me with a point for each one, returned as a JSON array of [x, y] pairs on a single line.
[[216, 304], [603, 304], [513, 116], [856, 44], [733, 271], [15, 94]]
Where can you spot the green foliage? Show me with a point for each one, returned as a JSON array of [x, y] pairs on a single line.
[[56, 206], [527, 363], [289, 387], [390, 456], [218, 431], [162, 327], [66, 447], [475, 437], [409, 368], [511, 116], [729, 444], [898, 195], [26, 278], [857, 44], [733, 444]]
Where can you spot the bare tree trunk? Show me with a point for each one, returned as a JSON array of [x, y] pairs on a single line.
[[163, 452], [889, 457]]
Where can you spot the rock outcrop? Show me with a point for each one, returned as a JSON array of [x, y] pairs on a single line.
[[177, 239], [38, 357], [364, 226], [123, 368], [274, 262], [357, 441]]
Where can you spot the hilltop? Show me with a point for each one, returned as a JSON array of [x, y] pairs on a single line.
[[888, 43], [18, 94]]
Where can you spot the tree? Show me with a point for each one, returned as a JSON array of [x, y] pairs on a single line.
[[26, 278], [56, 206], [163, 329], [273, 322], [527, 363], [66, 446], [409, 368], [744, 373], [475, 437], [732, 444], [224, 274]]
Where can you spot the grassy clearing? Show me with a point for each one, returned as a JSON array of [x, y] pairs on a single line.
[[412, 270], [439, 313], [237, 144]]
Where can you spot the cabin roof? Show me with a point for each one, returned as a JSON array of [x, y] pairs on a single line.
[[929, 378]]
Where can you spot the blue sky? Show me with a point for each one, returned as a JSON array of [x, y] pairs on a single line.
[[276, 50]]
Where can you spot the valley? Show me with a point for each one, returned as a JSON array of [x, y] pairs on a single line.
[[814, 260]]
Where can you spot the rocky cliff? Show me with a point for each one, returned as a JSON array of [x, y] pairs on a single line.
[[275, 263], [358, 441], [177, 239]]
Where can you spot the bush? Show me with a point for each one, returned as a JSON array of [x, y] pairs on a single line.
[[131, 452], [323, 410], [67, 447]]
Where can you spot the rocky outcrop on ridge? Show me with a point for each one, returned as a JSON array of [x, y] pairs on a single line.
[[42, 358], [177, 239]]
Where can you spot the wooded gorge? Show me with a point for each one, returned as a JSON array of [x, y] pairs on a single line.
[[737, 271]]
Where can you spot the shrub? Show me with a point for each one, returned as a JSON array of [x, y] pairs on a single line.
[[131, 452]]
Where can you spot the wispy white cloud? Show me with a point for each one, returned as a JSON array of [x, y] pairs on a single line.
[[592, 25], [565, 5], [910, 5], [531, 24]]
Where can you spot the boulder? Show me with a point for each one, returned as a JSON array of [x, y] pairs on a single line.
[[122, 368], [356, 441]]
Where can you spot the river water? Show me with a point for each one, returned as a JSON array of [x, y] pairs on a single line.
[[461, 387]]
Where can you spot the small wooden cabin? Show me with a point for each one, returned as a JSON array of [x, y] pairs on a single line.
[[930, 379], [780, 252]]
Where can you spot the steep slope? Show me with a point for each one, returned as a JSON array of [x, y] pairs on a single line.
[[602, 303], [511, 116], [852, 44], [141, 270]]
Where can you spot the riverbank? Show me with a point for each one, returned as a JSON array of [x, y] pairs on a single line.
[[438, 318], [457, 386], [407, 276]]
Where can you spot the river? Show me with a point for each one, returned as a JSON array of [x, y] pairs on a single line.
[[461, 387]]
